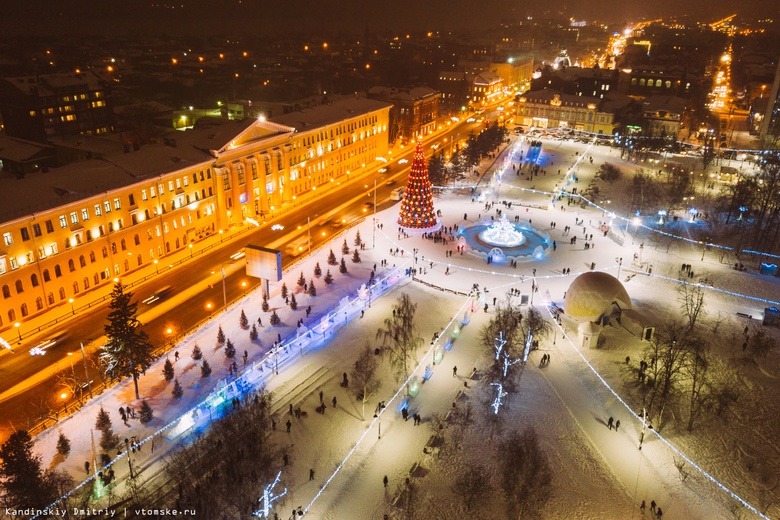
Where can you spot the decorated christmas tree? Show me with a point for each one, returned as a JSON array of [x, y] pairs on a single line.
[[417, 205]]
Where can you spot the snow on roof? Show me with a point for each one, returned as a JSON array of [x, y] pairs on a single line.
[[323, 115], [50, 84], [591, 293], [18, 149]]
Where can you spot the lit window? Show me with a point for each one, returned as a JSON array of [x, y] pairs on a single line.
[[98, 211], [8, 239], [74, 217], [143, 195], [85, 214], [117, 204], [107, 206], [63, 221]]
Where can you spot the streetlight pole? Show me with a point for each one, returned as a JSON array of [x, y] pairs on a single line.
[[620, 264], [72, 308], [308, 232], [86, 373], [373, 230], [642, 433], [19, 331], [129, 461], [224, 288]]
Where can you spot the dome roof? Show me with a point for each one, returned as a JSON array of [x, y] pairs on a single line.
[[591, 293]]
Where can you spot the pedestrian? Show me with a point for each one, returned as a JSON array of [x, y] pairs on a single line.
[[642, 507], [405, 414], [455, 371], [617, 425], [652, 506], [289, 425], [130, 412], [260, 321], [176, 356], [362, 313], [609, 422], [246, 355], [311, 474], [659, 513], [291, 409], [321, 394], [385, 481], [334, 402], [122, 414]]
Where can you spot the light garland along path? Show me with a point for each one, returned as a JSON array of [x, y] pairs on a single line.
[[667, 443]]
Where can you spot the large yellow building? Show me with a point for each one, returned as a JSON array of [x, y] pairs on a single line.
[[76, 228], [552, 109]]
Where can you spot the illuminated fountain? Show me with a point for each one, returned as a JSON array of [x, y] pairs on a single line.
[[502, 240], [502, 234]]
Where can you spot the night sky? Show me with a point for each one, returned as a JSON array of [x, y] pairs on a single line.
[[299, 16]]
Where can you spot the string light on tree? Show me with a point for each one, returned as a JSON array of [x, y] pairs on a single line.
[[499, 345], [417, 211], [497, 401], [269, 498], [508, 363]]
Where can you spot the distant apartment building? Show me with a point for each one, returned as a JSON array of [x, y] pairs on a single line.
[[577, 81], [660, 81], [38, 107], [662, 115], [415, 110], [769, 132], [76, 228], [454, 88], [486, 88], [551, 109]]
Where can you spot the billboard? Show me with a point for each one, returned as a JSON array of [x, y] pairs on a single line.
[[264, 263]]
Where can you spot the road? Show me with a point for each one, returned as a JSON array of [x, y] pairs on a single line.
[[30, 388]]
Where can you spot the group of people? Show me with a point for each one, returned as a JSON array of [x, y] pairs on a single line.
[[654, 509]]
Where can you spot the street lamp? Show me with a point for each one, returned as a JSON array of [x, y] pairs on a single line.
[[190, 250], [209, 308], [128, 448], [157, 267], [72, 308], [64, 397], [19, 331], [243, 286], [221, 235]]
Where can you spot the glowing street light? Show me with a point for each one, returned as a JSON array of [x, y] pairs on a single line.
[[18, 330], [209, 308], [72, 308]]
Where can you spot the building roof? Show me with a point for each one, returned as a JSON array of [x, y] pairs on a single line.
[[664, 104], [54, 84], [19, 150], [567, 100], [401, 94], [328, 114], [591, 293]]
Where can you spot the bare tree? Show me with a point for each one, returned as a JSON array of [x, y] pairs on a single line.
[[666, 359], [691, 299], [526, 478], [472, 485], [697, 369], [399, 335], [759, 343], [364, 376]]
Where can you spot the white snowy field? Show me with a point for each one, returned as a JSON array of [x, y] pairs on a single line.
[[598, 473]]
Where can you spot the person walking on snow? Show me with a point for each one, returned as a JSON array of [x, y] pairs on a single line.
[[455, 371], [609, 422], [617, 425], [385, 481]]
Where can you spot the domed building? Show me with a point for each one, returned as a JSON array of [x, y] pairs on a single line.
[[594, 293], [595, 300]]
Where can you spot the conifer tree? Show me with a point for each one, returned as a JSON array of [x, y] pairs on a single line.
[[317, 269], [147, 414], [205, 369], [168, 371], [312, 289], [343, 267], [220, 336], [253, 335], [293, 303], [243, 321], [332, 258], [230, 350], [196, 352], [301, 280], [63, 445], [177, 391], [275, 320], [356, 257], [358, 240], [328, 278], [103, 420], [265, 305], [345, 248]]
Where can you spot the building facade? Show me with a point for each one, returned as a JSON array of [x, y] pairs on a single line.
[[207, 179], [415, 111], [56, 105], [769, 132], [551, 109]]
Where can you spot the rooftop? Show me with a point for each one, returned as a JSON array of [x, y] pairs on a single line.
[[330, 113]]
